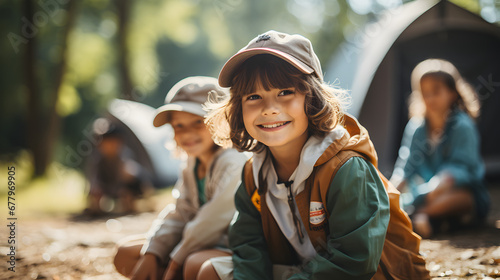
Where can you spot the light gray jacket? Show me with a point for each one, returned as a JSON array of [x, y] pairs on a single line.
[[178, 232]]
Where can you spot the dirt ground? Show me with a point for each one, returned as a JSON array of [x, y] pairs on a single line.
[[82, 248]]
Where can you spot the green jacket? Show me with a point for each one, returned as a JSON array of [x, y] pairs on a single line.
[[357, 200], [361, 233], [358, 215]]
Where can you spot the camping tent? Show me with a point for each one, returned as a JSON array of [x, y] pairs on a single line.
[[146, 141], [376, 66]]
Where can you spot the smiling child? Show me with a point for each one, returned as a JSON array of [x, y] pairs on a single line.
[[181, 240], [312, 204]]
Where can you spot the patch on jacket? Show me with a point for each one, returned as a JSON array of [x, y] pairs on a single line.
[[317, 213], [256, 199]]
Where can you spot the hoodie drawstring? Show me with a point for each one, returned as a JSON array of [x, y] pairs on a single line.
[[291, 203]]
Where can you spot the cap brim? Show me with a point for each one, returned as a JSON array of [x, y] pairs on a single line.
[[188, 107], [226, 74]]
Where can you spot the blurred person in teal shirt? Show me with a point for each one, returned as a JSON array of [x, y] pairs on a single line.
[[439, 169]]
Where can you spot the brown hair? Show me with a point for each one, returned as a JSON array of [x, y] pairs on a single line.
[[445, 72], [323, 104]]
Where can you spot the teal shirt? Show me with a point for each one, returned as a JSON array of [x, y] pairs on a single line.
[[200, 183], [359, 216], [457, 153]]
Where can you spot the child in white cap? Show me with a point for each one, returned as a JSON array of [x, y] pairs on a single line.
[[182, 239]]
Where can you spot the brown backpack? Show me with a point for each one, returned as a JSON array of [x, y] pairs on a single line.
[[400, 257]]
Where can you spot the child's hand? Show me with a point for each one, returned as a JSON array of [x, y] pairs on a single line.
[[146, 268], [174, 271]]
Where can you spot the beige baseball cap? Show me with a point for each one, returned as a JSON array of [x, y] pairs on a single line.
[[295, 49], [188, 95]]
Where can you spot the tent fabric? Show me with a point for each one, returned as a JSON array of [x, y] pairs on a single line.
[[379, 71], [147, 142]]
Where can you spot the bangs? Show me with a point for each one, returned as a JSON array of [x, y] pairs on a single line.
[[444, 77], [269, 72]]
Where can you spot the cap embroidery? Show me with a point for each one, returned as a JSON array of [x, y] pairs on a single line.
[[263, 37]]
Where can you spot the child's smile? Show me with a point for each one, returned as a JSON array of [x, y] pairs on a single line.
[[273, 126], [190, 143], [276, 117], [191, 133]]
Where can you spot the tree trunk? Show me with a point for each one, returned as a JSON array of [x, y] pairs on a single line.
[[123, 10], [35, 122], [44, 125]]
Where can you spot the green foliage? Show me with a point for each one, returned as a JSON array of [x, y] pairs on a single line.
[[167, 40]]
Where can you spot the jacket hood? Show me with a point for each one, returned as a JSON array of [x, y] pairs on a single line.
[[357, 139]]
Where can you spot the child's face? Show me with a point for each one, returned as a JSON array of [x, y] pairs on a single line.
[[191, 134], [438, 98], [276, 117]]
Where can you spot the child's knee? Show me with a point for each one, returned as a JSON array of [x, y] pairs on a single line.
[[207, 271], [120, 257], [191, 260], [192, 265]]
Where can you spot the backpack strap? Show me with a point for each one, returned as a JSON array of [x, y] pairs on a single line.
[[250, 187], [313, 200], [280, 250]]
